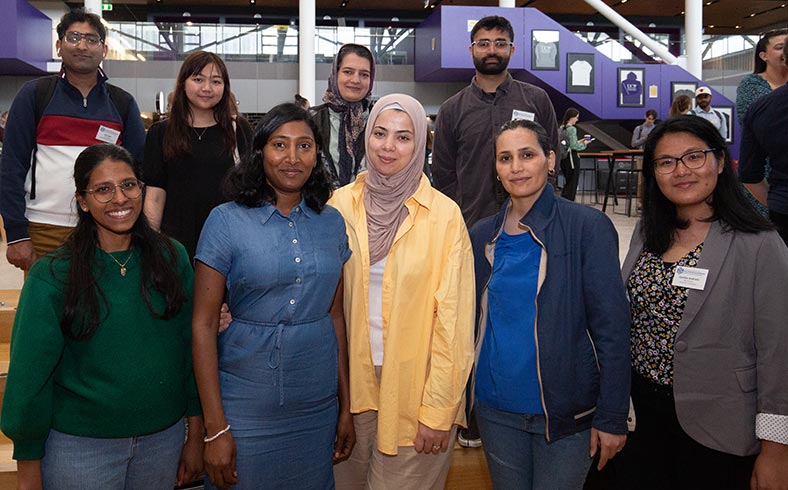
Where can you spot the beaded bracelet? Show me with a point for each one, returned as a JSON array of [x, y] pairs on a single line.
[[217, 435]]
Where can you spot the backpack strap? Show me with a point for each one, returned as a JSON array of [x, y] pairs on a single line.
[[45, 90], [121, 99]]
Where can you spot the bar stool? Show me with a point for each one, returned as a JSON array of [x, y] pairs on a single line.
[[630, 173]]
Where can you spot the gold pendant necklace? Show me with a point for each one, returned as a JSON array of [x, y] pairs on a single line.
[[122, 265]]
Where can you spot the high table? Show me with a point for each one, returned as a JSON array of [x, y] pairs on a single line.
[[611, 164], [607, 155]]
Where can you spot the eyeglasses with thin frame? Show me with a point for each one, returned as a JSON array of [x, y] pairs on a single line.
[[499, 44], [74, 38], [693, 160], [104, 193]]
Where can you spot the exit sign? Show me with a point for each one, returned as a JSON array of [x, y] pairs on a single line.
[[106, 7]]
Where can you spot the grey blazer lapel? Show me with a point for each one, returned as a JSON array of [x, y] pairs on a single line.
[[715, 248], [635, 247]]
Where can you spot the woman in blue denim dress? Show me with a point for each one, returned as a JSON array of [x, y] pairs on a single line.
[[274, 386]]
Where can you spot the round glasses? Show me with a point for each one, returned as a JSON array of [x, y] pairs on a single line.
[[104, 193], [692, 160], [74, 38]]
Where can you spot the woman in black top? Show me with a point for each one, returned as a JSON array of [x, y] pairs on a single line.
[[188, 154]]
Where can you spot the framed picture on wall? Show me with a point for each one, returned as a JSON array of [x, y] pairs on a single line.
[[631, 86], [683, 88], [580, 71], [545, 52], [727, 115]]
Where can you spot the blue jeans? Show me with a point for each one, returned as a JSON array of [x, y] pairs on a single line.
[[147, 462], [519, 457]]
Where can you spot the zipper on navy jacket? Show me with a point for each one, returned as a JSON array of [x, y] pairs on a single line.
[[536, 342]]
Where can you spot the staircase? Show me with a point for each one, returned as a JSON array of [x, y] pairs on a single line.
[[8, 301], [441, 55]]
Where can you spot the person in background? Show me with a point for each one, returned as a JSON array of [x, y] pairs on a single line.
[[274, 385], [704, 109], [408, 301], [642, 131], [301, 102], [83, 110], [570, 166], [343, 115], [759, 145], [463, 153], [705, 275], [188, 154], [770, 72], [101, 371], [681, 105], [3, 121]]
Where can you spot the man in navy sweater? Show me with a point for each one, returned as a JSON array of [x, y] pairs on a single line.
[[43, 138]]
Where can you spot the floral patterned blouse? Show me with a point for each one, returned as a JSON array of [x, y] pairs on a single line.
[[657, 308]]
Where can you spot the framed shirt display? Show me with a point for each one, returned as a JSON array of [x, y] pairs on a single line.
[[545, 50], [580, 73], [631, 87]]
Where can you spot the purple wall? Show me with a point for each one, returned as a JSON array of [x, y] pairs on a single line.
[[451, 61], [25, 39]]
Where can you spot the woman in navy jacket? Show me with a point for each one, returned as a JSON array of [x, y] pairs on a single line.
[[552, 370]]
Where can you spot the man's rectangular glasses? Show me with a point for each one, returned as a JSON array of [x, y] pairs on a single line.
[[74, 38], [499, 44]]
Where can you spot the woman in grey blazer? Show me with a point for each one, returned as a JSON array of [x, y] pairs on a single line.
[[705, 276]]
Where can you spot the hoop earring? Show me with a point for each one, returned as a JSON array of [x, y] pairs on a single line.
[[551, 172], [498, 178]]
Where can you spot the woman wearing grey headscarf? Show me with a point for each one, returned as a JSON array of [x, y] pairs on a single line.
[[343, 114], [409, 308]]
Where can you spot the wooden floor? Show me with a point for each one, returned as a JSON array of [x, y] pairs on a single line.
[[468, 470]]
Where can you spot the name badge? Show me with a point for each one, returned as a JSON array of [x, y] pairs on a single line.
[[108, 135], [528, 116], [690, 277]]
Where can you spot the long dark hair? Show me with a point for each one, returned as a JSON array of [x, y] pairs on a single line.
[[569, 114], [660, 219], [81, 314], [680, 104], [177, 135], [763, 44], [246, 183]]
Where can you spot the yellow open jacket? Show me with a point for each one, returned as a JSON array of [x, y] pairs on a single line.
[[428, 315]]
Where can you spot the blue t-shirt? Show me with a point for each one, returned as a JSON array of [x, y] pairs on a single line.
[[506, 376]]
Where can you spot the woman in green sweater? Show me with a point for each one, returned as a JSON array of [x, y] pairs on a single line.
[[100, 376], [570, 166]]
